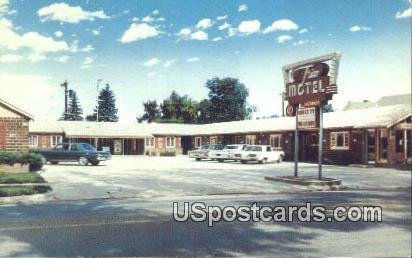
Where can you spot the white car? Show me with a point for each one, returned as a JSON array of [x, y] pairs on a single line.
[[228, 152], [203, 151], [262, 154]]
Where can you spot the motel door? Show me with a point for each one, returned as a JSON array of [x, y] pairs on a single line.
[[118, 146]]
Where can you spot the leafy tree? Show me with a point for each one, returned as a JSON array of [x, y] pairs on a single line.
[[178, 109], [203, 112], [228, 100], [74, 110], [106, 104], [151, 112]]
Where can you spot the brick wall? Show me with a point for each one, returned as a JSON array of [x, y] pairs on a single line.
[[14, 134]]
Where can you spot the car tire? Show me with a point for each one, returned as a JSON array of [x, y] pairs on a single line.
[[220, 160], [83, 161], [54, 162], [263, 161], [280, 159], [198, 159], [243, 161], [95, 163]]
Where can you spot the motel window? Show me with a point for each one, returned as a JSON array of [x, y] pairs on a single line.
[[56, 139], [250, 139], [198, 142], [339, 140], [150, 142], [170, 142], [33, 141], [275, 141]]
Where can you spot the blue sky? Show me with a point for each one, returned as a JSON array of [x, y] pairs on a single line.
[[146, 49]]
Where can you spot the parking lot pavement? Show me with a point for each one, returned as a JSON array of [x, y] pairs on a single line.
[[150, 177]]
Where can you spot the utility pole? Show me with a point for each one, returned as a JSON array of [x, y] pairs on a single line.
[[282, 94], [65, 84], [97, 108]]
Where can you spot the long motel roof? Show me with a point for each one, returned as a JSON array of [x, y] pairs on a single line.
[[374, 117]]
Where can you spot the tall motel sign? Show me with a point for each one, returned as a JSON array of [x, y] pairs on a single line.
[[309, 85]]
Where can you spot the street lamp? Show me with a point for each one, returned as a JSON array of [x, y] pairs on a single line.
[[97, 108]]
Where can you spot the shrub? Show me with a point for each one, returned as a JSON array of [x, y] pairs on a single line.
[[33, 159], [150, 153], [168, 154]]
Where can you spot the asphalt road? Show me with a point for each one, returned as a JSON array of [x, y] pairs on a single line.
[[145, 227]]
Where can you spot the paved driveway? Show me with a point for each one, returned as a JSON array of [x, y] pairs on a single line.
[[147, 177]]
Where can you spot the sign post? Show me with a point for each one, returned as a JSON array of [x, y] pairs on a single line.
[[296, 146], [320, 141], [309, 85]]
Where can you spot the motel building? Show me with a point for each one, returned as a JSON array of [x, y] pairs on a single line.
[[376, 135]]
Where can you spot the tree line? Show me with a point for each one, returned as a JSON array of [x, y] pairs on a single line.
[[226, 101]]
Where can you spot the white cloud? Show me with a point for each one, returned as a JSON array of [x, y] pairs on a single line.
[[170, 62], [36, 57], [62, 59], [32, 40], [4, 6], [10, 58], [300, 42], [139, 31], [249, 27], [135, 19], [151, 62], [231, 32], [193, 59], [148, 19], [155, 12], [217, 39], [151, 74], [242, 8], [88, 61], [281, 25], [74, 47], [224, 26], [204, 24], [199, 35], [71, 14], [184, 32], [20, 89], [58, 34], [304, 30], [356, 28], [220, 18], [283, 38], [97, 31], [404, 14]]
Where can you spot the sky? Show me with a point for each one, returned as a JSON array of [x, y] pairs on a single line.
[[146, 49]]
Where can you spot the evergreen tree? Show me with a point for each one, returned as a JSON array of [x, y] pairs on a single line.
[[74, 110], [106, 104]]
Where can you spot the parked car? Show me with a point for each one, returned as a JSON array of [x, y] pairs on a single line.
[[83, 153], [261, 154], [203, 151], [228, 152]]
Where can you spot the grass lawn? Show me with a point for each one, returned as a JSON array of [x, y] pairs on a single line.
[[20, 178], [22, 190]]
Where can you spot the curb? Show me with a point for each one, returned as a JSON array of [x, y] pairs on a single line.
[[312, 181]]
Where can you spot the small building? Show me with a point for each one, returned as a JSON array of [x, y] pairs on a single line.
[[14, 128]]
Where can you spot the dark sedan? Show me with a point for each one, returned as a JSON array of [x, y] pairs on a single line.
[[83, 153]]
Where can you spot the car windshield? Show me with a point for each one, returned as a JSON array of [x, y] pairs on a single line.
[[87, 146], [204, 147], [253, 148], [231, 147], [217, 147]]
